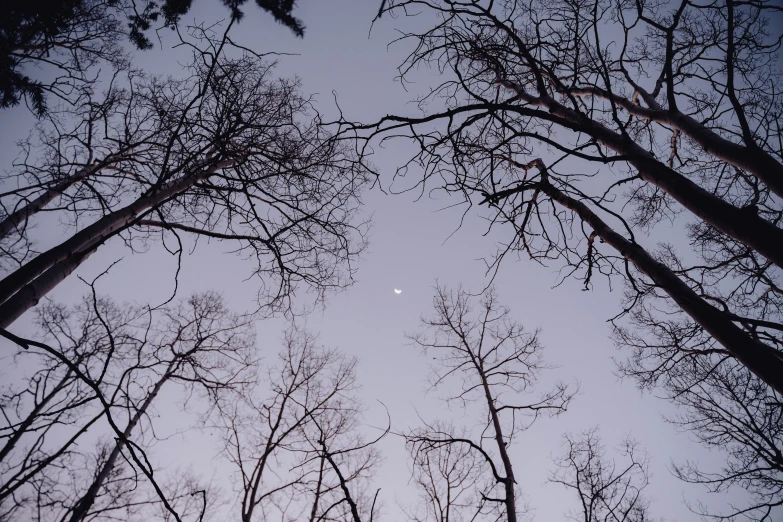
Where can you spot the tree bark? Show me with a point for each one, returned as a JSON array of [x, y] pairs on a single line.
[[56, 263], [752, 159], [764, 361], [30, 294], [13, 220], [82, 507], [744, 226]]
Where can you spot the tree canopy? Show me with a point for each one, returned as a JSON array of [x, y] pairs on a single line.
[[72, 35]]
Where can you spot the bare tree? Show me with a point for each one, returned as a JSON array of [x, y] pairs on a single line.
[[724, 406], [228, 154], [495, 361], [121, 358], [607, 491], [545, 114], [448, 481], [295, 446]]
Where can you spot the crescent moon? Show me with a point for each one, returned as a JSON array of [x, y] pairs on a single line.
[[397, 291]]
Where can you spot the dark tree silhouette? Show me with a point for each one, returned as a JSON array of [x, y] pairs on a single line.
[[585, 128], [294, 439], [547, 116], [496, 362], [448, 479], [105, 366], [590, 128], [173, 10], [607, 491], [227, 154], [724, 406], [292, 429], [66, 39]]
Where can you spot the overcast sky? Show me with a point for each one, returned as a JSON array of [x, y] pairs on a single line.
[[409, 250]]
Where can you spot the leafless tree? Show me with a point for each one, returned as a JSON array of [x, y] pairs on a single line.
[[607, 491], [448, 481], [295, 446], [495, 361], [106, 365], [227, 154], [725, 407], [547, 116], [583, 125]]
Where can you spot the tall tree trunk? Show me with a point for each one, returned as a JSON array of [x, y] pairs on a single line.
[[343, 484], [21, 215], [318, 484], [753, 159], [744, 226], [82, 507], [30, 294], [748, 157], [249, 497], [56, 263], [509, 480], [764, 361]]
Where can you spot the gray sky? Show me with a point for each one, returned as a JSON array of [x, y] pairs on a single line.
[[408, 251]]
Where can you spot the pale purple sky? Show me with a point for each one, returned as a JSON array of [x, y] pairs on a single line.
[[409, 251]]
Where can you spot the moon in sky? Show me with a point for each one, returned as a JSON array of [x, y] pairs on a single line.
[[397, 291]]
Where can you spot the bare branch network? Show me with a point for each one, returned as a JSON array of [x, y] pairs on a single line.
[[583, 129], [228, 154], [524, 78], [290, 430], [292, 433]]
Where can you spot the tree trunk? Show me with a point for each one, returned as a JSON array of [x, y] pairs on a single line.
[[82, 507], [74, 250], [318, 484], [752, 159], [744, 226], [30, 294], [509, 481], [764, 361], [13, 220], [343, 484]]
